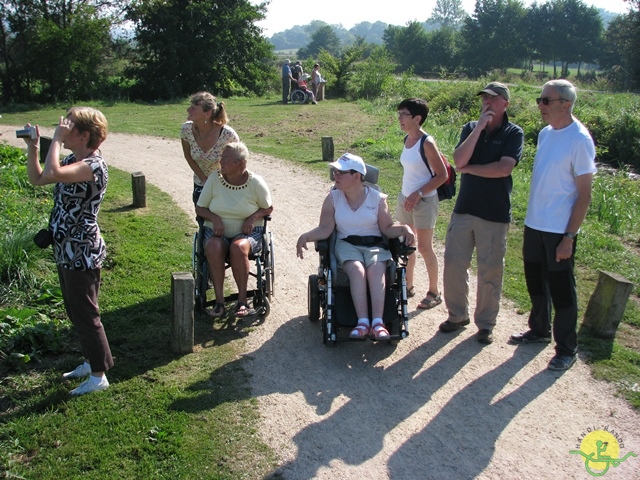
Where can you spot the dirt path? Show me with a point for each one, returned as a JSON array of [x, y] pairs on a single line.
[[435, 406]]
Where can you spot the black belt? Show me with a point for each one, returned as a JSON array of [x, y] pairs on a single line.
[[365, 241]]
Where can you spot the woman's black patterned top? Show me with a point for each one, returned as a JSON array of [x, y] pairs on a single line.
[[77, 242]]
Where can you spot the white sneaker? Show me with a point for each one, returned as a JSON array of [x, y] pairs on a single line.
[[90, 385], [80, 371]]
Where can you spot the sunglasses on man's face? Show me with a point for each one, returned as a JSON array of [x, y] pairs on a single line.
[[547, 100]]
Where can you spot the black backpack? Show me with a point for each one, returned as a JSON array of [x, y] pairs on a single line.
[[447, 190]]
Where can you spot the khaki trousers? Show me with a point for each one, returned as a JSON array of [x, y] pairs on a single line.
[[489, 239]]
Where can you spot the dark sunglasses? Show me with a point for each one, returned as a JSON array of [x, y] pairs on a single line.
[[547, 100], [343, 172]]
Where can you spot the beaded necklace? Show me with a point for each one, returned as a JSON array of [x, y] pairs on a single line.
[[226, 184]]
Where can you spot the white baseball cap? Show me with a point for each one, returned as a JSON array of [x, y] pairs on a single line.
[[349, 161]]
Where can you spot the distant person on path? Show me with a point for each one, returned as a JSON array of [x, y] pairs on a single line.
[[418, 199], [560, 196], [316, 78], [287, 79], [302, 85], [78, 248], [204, 136], [486, 154], [296, 73]]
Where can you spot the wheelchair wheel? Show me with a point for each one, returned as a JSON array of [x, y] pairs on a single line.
[[298, 96], [313, 299]]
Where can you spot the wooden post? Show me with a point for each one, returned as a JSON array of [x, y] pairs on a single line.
[[327, 149], [139, 187], [607, 304], [182, 330], [45, 144]]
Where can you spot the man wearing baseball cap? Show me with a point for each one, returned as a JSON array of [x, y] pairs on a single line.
[[487, 152]]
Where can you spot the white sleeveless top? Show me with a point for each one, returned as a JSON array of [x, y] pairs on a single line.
[[416, 173], [363, 221]]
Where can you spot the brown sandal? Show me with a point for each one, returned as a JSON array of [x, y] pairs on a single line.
[[430, 301]]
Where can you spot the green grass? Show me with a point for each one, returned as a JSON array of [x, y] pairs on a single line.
[[181, 397], [166, 416]]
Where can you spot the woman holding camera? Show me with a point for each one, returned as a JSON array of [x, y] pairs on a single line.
[[80, 183]]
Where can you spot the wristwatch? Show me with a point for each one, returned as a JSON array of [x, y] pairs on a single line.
[[571, 235], [420, 193]]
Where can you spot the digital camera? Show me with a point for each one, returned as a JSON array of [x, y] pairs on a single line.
[[29, 132]]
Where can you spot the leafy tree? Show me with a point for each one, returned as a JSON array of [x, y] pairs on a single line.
[[621, 44], [338, 70], [493, 37], [408, 46], [183, 46], [53, 49], [324, 38], [448, 13], [371, 78], [370, 32]]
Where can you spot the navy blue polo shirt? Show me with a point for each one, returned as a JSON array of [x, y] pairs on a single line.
[[489, 198]]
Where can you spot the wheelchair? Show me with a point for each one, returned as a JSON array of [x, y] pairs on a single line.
[[299, 96], [263, 272], [329, 296]]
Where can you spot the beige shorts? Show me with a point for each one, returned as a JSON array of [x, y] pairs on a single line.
[[366, 255], [424, 214]]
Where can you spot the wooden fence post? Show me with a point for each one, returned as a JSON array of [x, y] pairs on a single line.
[[327, 149], [139, 187], [182, 329], [607, 304]]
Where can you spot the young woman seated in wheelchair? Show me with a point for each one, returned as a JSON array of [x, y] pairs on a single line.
[[360, 215], [233, 203]]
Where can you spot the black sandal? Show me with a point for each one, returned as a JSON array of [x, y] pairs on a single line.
[[218, 311], [243, 310]]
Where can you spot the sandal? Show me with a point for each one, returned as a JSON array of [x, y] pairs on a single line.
[[243, 310], [361, 332], [411, 292], [216, 312], [379, 332], [430, 301]]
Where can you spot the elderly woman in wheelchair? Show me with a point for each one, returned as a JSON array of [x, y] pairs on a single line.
[[360, 215], [233, 203]]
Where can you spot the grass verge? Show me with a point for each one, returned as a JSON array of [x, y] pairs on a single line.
[[165, 416]]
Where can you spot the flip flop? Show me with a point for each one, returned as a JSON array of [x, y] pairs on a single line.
[[243, 310], [430, 301], [218, 311], [411, 292]]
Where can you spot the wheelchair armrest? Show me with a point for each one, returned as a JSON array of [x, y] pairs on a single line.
[[400, 249], [322, 246]]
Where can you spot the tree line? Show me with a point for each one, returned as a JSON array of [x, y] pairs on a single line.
[[67, 50]]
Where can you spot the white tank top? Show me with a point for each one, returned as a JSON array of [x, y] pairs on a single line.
[[363, 221], [416, 173]]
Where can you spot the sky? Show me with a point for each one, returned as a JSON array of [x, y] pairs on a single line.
[[284, 14]]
